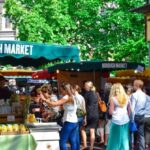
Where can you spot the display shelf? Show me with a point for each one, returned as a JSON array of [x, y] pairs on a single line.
[[11, 118]]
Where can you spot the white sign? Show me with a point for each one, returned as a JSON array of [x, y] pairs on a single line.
[[16, 49], [114, 65], [11, 118]]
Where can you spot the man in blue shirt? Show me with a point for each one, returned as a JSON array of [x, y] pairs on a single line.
[[138, 101]]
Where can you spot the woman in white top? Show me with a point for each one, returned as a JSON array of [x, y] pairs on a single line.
[[119, 130], [81, 112], [69, 130]]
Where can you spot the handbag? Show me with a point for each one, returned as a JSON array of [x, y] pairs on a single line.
[[80, 113], [102, 106], [133, 126]]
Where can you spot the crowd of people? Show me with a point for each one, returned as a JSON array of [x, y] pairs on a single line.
[[79, 114]]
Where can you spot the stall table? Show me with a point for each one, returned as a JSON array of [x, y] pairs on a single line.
[[46, 135], [17, 142]]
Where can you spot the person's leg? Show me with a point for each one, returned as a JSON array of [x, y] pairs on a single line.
[[64, 135], [125, 137], [80, 122], [140, 126], [147, 133], [107, 131], [114, 137], [84, 137], [92, 138], [101, 130], [73, 138]]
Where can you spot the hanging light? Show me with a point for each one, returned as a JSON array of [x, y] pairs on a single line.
[[57, 71]]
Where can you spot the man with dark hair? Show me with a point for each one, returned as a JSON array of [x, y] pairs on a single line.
[[138, 101]]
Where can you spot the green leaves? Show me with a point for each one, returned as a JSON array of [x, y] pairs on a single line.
[[104, 30]]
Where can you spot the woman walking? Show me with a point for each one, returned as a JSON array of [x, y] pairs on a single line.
[[81, 112], [69, 130], [119, 130], [91, 100]]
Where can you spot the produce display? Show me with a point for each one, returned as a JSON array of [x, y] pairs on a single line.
[[6, 129], [31, 119]]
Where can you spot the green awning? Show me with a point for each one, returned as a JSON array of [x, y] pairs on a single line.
[[95, 66], [10, 51]]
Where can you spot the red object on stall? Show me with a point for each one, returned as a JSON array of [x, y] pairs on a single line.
[[105, 74], [44, 74]]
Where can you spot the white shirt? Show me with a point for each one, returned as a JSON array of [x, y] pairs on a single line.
[[70, 111], [147, 108], [138, 102], [80, 101], [120, 114], [55, 99]]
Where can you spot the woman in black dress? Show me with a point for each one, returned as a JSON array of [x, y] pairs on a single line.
[[91, 100]]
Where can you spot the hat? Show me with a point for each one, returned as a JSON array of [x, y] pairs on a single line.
[[2, 78]]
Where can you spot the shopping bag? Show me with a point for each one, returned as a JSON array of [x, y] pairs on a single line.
[[102, 106], [133, 126]]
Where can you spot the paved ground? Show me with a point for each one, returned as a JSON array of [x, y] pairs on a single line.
[[96, 146]]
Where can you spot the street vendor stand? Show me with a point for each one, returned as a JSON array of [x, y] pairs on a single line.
[[14, 133], [96, 71]]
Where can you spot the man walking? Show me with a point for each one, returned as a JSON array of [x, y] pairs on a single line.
[[138, 101]]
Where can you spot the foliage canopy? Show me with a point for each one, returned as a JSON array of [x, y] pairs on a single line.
[[104, 30]]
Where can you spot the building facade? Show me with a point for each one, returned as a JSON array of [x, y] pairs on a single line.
[[6, 29]]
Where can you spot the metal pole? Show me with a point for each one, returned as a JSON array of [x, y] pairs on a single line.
[[148, 2], [149, 53]]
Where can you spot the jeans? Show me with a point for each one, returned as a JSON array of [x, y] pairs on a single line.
[[147, 131], [68, 133], [139, 120], [80, 123]]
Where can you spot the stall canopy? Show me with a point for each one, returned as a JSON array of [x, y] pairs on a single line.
[[143, 9], [35, 54], [133, 73], [17, 72], [95, 66]]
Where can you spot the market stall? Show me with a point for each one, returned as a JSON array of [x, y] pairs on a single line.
[[96, 71], [43, 74], [17, 142], [14, 108], [131, 75], [35, 54]]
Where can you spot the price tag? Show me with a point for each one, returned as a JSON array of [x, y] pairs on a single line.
[[10, 118], [2, 102]]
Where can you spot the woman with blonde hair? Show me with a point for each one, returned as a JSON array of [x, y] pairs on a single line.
[[119, 109], [69, 130]]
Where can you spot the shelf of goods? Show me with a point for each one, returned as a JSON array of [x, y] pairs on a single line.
[[16, 137], [37, 135]]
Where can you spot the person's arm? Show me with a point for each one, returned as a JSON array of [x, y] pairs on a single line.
[[111, 107], [129, 108], [133, 102], [55, 104], [133, 105], [83, 105]]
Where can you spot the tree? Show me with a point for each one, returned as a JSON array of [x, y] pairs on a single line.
[[102, 29], [122, 31]]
